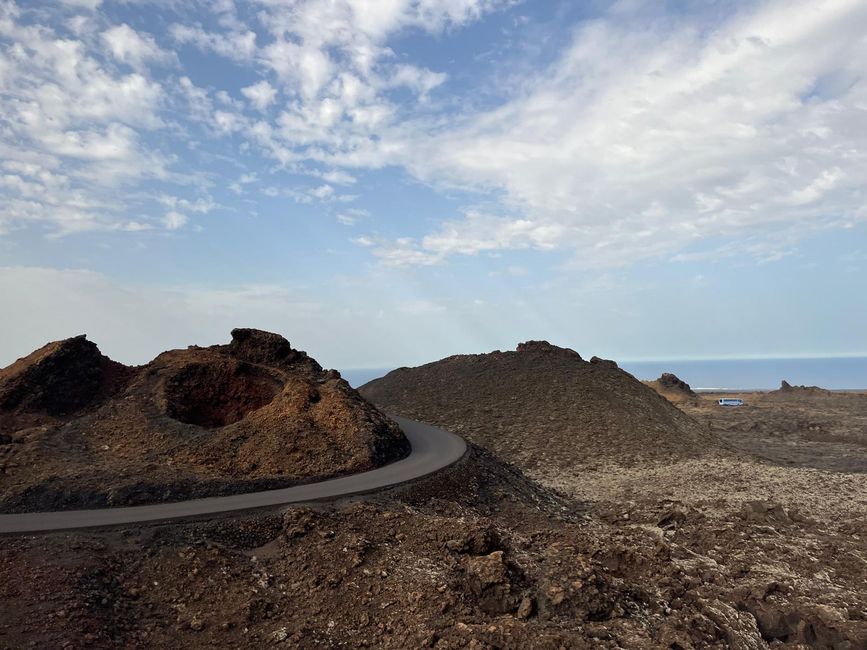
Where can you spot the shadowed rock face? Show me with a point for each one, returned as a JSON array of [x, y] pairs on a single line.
[[673, 382], [266, 348], [57, 379], [673, 388], [256, 413], [543, 406], [543, 347], [787, 390], [217, 394]]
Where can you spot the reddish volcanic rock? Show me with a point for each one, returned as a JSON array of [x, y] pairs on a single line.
[[252, 414]]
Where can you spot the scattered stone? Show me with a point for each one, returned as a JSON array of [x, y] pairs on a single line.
[[526, 608]]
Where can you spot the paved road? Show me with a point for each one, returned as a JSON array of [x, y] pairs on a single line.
[[432, 450]]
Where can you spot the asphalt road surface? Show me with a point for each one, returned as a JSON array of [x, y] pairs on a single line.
[[432, 450]]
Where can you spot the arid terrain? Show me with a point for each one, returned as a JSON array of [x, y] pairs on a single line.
[[795, 426], [765, 496], [79, 430], [589, 513], [543, 407]]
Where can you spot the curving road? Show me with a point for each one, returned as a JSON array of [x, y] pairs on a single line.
[[432, 450]]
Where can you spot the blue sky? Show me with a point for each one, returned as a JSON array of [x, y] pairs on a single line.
[[387, 182]]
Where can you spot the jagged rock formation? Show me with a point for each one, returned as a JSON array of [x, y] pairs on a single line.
[[58, 378], [672, 387], [673, 382], [787, 390], [86, 431], [543, 405]]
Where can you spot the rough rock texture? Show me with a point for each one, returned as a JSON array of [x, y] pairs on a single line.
[[544, 406], [474, 557], [85, 431], [58, 379], [765, 531], [787, 391], [704, 551], [673, 388], [813, 427]]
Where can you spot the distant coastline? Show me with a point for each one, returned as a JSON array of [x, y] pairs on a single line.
[[725, 375]]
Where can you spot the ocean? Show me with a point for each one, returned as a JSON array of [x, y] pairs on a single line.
[[833, 373]]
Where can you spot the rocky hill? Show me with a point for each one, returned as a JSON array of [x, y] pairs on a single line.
[[543, 406], [698, 551], [787, 391], [80, 430], [672, 388]]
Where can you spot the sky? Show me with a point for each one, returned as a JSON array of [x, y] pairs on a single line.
[[388, 182]]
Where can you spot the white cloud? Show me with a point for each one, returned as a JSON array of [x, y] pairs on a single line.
[[322, 192], [73, 127], [363, 241], [402, 252], [235, 44], [420, 80], [128, 46], [650, 135], [244, 179], [352, 216], [174, 220], [84, 4], [201, 205], [227, 122], [304, 69], [338, 177], [179, 208], [261, 94], [331, 62]]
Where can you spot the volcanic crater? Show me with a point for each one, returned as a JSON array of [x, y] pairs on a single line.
[[80, 430]]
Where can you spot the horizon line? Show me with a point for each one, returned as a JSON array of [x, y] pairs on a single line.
[[659, 359]]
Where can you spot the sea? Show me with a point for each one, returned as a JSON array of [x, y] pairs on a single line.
[[832, 373]]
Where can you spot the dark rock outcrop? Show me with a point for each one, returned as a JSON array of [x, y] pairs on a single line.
[[57, 379], [249, 415], [787, 390], [543, 407], [670, 381], [543, 347]]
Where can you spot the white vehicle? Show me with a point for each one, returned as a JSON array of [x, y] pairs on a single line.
[[730, 401]]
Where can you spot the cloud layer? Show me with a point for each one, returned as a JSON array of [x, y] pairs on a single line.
[[650, 135]]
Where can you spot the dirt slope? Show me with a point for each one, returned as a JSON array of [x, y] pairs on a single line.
[[544, 406], [79, 430], [477, 556]]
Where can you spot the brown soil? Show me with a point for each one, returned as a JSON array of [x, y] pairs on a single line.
[[799, 426], [544, 407], [79, 430], [706, 550], [477, 556], [777, 497]]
